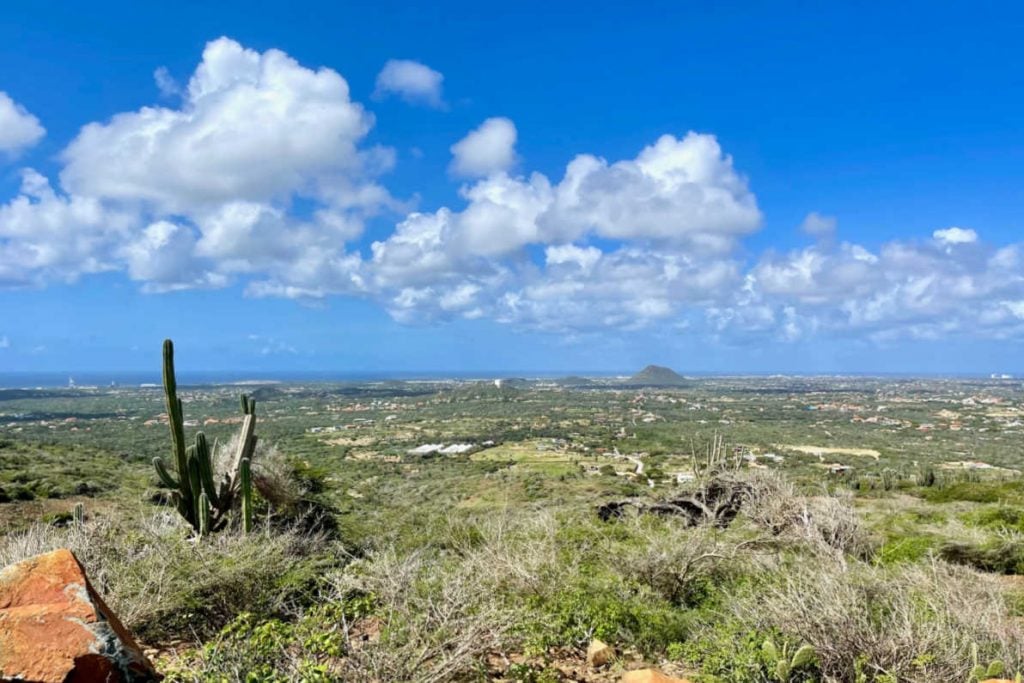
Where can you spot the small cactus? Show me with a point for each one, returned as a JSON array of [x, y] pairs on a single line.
[[78, 514], [981, 671], [782, 664]]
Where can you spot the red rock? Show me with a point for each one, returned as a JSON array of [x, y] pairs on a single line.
[[649, 676], [54, 628]]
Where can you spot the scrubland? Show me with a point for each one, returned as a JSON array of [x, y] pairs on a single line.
[[369, 563]]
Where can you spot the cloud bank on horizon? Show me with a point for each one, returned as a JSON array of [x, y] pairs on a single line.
[[262, 176]]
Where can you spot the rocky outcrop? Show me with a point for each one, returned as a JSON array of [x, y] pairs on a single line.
[[54, 628]]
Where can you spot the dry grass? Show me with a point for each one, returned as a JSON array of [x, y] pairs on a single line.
[[912, 623], [436, 624], [166, 585]]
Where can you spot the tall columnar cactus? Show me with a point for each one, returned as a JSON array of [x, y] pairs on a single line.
[[199, 498]]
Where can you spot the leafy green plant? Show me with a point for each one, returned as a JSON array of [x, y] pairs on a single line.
[[782, 663]]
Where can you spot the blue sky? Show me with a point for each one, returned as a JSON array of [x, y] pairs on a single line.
[[544, 186]]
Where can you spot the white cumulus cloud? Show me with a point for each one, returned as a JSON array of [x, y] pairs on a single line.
[[955, 236], [678, 208], [19, 129], [47, 236], [905, 288], [253, 126], [485, 150], [412, 81], [203, 194], [259, 175]]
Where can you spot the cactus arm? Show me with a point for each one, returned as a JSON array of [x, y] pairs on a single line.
[[195, 485], [161, 470], [246, 493], [78, 513], [205, 464], [246, 448], [204, 514], [248, 405]]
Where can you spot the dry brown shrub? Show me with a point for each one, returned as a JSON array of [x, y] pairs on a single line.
[[912, 622], [674, 560], [825, 523], [438, 618]]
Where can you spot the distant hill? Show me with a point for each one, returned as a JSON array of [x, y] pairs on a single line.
[[657, 376], [573, 381]]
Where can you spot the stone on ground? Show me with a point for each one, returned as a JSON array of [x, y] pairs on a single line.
[[54, 628], [599, 653], [649, 676]]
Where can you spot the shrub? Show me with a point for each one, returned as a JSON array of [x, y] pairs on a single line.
[[1010, 492], [165, 586], [998, 517], [912, 622], [1005, 556], [909, 548]]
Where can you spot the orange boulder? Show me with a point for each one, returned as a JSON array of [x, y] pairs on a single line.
[[649, 676], [55, 628]]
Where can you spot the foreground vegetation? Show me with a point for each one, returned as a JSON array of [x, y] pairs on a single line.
[[369, 560]]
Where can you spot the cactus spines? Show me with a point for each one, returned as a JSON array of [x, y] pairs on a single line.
[[194, 490], [246, 494]]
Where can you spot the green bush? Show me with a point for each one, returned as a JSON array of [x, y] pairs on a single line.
[[1001, 557], [905, 549], [604, 608], [977, 492], [998, 517]]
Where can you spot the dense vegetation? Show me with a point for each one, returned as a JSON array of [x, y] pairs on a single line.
[[882, 525]]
